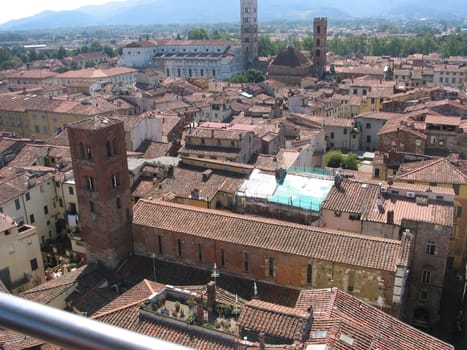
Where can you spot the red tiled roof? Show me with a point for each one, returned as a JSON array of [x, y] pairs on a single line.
[[352, 197], [312, 242], [432, 212], [124, 312], [290, 57], [342, 318], [48, 291], [274, 320], [440, 171]]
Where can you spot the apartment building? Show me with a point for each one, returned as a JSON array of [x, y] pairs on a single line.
[[423, 214], [21, 265], [236, 143]]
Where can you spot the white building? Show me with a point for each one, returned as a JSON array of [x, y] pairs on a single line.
[[199, 58], [185, 58], [21, 265], [449, 75], [30, 197]]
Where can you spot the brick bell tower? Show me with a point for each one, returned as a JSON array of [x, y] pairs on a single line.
[[249, 30], [100, 169], [320, 35]]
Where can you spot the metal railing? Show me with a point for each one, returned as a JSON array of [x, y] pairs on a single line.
[[70, 331]]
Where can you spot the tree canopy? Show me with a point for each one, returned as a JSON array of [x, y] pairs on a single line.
[[198, 34]]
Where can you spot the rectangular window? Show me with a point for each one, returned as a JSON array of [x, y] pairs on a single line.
[[200, 253], [71, 191], [90, 181], [159, 241], [46, 210], [32, 219], [34, 265], [368, 139], [92, 209], [426, 277], [28, 196], [430, 248], [309, 274], [222, 257], [368, 125], [245, 262], [332, 135], [17, 204], [271, 266], [115, 181], [179, 247], [119, 203]]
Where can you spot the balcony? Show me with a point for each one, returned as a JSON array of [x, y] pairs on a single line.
[[187, 310]]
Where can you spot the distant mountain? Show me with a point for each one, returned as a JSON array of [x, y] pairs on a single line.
[[147, 12]]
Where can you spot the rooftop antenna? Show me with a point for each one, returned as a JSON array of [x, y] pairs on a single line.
[[215, 273]]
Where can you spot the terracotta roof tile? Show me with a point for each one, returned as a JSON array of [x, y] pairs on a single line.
[[274, 320], [46, 292], [351, 197], [273, 235], [438, 171], [345, 319]]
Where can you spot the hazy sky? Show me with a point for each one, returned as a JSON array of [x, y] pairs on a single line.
[[14, 9]]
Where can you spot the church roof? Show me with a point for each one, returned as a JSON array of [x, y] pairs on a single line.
[[290, 57]]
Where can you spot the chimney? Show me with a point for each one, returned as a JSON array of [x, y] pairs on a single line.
[[211, 296], [262, 344], [199, 309], [390, 217]]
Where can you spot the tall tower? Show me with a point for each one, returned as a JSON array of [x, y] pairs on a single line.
[[249, 30], [320, 34], [100, 169]]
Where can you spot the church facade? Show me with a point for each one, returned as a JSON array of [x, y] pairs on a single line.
[[218, 59]]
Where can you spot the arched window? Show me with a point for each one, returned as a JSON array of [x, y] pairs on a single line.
[[309, 274]]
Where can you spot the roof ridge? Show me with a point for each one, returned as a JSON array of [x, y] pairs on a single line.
[[146, 282], [276, 222], [33, 291], [281, 309], [432, 162], [96, 316]]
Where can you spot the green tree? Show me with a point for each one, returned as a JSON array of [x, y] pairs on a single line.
[[90, 64], [351, 161], [61, 53], [95, 46], [109, 50], [32, 55], [254, 76], [198, 34], [334, 159]]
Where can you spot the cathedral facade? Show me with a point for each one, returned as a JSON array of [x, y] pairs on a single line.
[[218, 59]]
